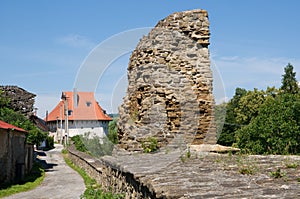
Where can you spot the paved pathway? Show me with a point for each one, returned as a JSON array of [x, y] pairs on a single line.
[[61, 182]]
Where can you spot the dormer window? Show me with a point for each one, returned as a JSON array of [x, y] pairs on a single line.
[[88, 104]]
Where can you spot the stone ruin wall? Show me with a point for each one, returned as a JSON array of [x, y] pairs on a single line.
[[20, 100], [169, 95]]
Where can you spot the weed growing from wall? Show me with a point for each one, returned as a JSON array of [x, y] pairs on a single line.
[[150, 145]]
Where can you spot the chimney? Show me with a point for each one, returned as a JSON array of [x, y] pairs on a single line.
[[75, 98], [46, 116]]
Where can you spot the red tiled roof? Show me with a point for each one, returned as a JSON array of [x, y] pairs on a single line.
[[87, 108], [4, 125]]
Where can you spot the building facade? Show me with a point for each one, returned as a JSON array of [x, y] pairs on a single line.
[[16, 157], [77, 113]]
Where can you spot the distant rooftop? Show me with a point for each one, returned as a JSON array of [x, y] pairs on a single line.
[[81, 106]]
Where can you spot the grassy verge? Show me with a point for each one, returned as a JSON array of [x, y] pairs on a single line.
[[93, 190], [31, 181]]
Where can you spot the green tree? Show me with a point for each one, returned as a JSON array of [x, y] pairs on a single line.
[[227, 136], [220, 115], [113, 131], [276, 128], [266, 122], [241, 109], [93, 145], [35, 135], [250, 103], [289, 82], [77, 139]]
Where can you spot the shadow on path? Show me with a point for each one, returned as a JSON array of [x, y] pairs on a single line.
[[41, 153], [47, 166], [60, 180]]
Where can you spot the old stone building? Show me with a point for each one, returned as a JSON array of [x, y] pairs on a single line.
[[169, 96], [16, 157]]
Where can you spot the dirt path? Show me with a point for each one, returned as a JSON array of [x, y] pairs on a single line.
[[61, 181]]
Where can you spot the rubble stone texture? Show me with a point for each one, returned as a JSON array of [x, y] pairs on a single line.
[[169, 96], [20, 100], [203, 175]]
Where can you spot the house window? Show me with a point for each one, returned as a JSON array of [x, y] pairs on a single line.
[[88, 104]]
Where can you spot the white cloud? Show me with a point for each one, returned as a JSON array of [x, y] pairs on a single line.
[[221, 100], [76, 40], [230, 58], [252, 72], [229, 73]]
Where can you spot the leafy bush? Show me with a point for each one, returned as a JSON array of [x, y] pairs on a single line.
[[113, 131], [264, 122], [49, 142], [93, 145], [275, 130], [7, 114], [79, 145], [150, 145], [227, 134], [35, 135], [277, 174]]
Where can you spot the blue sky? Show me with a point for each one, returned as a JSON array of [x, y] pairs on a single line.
[[44, 43]]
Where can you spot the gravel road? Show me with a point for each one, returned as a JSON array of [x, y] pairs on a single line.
[[61, 181]]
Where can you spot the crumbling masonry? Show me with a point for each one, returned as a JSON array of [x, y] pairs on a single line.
[[169, 96], [21, 100]]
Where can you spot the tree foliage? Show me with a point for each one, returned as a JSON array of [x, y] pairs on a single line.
[[93, 145], [113, 131], [265, 121], [248, 106], [8, 115], [289, 82], [77, 139], [276, 128], [220, 115], [227, 136]]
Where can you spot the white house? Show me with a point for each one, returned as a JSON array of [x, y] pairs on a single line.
[[78, 113]]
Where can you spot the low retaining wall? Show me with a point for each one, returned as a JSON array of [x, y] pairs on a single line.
[[109, 177], [168, 175]]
